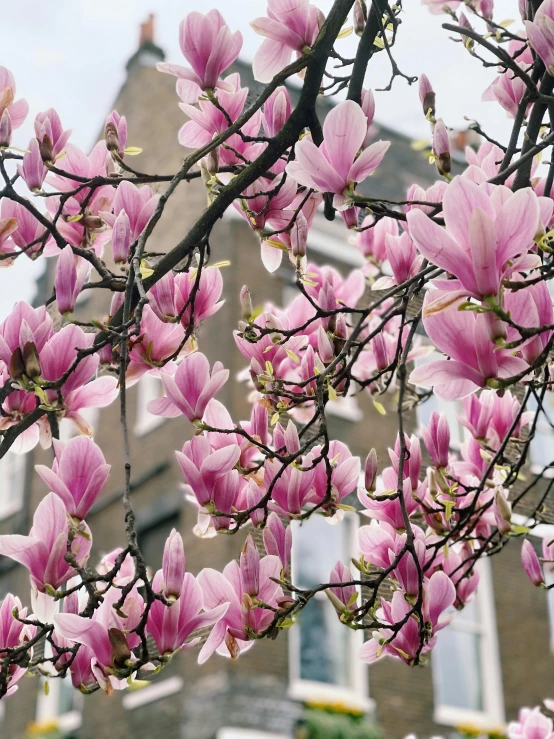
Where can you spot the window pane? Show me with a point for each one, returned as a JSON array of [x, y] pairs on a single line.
[[324, 641], [323, 644], [457, 669], [317, 547]]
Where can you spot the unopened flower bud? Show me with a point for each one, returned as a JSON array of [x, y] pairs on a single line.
[[110, 134], [441, 147], [31, 360], [324, 346], [5, 129], [427, 97], [246, 303], [120, 649], [17, 366], [371, 467], [502, 512], [360, 16]]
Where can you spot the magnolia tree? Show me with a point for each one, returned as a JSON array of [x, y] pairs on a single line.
[[476, 247]]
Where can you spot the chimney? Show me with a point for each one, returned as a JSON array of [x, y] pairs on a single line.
[[148, 53]]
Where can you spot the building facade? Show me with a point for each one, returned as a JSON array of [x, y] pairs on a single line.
[[494, 657]]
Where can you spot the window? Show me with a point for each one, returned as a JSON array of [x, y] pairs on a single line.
[[448, 408], [466, 664], [541, 447], [12, 487], [148, 388], [323, 654]]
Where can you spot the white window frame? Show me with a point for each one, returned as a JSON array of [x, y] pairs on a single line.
[[542, 430], [145, 421], [154, 692], [12, 467], [492, 716], [356, 696]]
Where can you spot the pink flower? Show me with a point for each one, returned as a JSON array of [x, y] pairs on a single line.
[[438, 595], [50, 135], [403, 259], [202, 467], [18, 110], [245, 587], [43, 551], [139, 203], [172, 295], [278, 541], [12, 635], [291, 25], [336, 166], [28, 229], [532, 724], [531, 564], [347, 595], [345, 473], [24, 326], [209, 47], [7, 246], [372, 240], [121, 238], [108, 635], [475, 360], [426, 96], [276, 111], [389, 510], [151, 350], [441, 147], [531, 308], [173, 565], [436, 438], [115, 133], [78, 475], [32, 169], [126, 571], [540, 32], [484, 231], [71, 273], [191, 389]]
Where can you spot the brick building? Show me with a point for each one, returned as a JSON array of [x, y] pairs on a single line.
[[495, 656]]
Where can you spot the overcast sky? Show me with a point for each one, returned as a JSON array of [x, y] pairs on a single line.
[[71, 55]]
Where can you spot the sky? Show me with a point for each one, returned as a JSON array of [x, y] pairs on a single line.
[[71, 55]]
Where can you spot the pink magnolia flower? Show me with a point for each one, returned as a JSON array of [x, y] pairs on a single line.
[[436, 438], [246, 586], [337, 166], [71, 274], [390, 509], [433, 194], [78, 475], [32, 169], [13, 634], [50, 135], [278, 541], [209, 47], [438, 595], [115, 133], [372, 240], [171, 296], [531, 724], [540, 32], [345, 473], [475, 360], [483, 232], [23, 326], [170, 626], [108, 635], [121, 238], [290, 26], [457, 564], [426, 96], [531, 308], [507, 90], [191, 389], [403, 259], [43, 551], [441, 147], [17, 110], [151, 350], [202, 466], [126, 571], [276, 111], [139, 203], [531, 563], [28, 229], [345, 594]]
